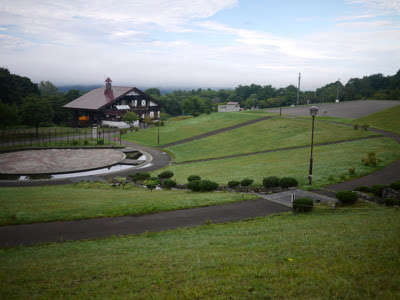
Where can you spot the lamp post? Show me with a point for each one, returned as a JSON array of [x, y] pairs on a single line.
[[313, 113], [158, 134]]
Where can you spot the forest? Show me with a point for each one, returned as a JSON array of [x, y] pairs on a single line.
[[27, 104]]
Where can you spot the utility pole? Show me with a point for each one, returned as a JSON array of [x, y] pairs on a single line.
[[298, 90], [337, 94]]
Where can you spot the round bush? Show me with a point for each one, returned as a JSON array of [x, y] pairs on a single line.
[[139, 176], [233, 183], [207, 185], [395, 186], [347, 197], [377, 189], [271, 181], [194, 185], [169, 183], [151, 186], [193, 177], [303, 205], [166, 175], [246, 182], [287, 182]]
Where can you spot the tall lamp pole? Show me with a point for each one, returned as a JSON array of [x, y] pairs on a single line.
[[298, 90], [313, 113], [337, 94]]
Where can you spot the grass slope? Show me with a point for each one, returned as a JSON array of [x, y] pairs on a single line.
[[388, 119], [331, 160], [339, 254], [91, 200], [179, 130], [276, 133]]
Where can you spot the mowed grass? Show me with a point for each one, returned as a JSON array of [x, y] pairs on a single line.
[[327, 254], [331, 164], [92, 200], [275, 133], [179, 130], [388, 119]]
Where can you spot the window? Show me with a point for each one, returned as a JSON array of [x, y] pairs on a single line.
[[143, 102]]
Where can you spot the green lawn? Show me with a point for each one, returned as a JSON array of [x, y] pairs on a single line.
[[388, 119], [276, 133], [328, 254], [91, 200], [179, 130], [331, 160]]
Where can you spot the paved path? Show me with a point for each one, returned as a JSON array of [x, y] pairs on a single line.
[[348, 109], [105, 227]]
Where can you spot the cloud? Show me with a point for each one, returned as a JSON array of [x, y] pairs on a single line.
[[379, 6]]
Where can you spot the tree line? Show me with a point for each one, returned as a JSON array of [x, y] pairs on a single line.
[[24, 103], [373, 87]]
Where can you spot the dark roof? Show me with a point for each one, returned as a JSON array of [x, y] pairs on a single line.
[[99, 98]]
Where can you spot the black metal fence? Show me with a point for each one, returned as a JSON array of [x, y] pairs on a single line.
[[59, 137]]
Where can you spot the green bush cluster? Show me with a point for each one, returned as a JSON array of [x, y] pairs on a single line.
[[139, 176], [287, 182], [202, 185], [193, 177], [166, 175], [246, 182], [347, 197], [377, 189], [362, 188], [301, 205], [271, 181], [168, 183], [233, 183]]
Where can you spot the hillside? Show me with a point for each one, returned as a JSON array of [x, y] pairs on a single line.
[[388, 119]]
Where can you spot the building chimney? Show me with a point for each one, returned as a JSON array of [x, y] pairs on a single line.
[[108, 84]]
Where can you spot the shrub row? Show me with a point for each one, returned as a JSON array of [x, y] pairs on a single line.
[[301, 205], [284, 182], [202, 185]]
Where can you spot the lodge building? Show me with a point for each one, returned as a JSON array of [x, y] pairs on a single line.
[[106, 105]]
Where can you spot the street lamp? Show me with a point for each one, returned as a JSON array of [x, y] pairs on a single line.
[[313, 113]]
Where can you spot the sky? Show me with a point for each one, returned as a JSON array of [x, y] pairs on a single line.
[[199, 43]]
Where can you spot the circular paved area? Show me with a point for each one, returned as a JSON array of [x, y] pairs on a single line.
[[53, 161]]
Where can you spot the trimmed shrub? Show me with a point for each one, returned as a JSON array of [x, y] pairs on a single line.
[[207, 185], [140, 176], [75, 142], [365, 126], [194, 185], [193, 177], [347, 197], [202, 185], [86, 142], [395, 186], [377, 189], [246, 182], [168, 183], [271, 181], [100, 142], [362, 188], [233, 183], [287, 182], [151, 186], [165, 175], [355, 126], [303, 205], [392, 202]]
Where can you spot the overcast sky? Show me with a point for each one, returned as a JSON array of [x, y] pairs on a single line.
[[199, 43]]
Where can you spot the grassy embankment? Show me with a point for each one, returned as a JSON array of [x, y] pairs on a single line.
[[387, 119], [275, 133], [331, 164], [338, 254], [189, 127], [92, 200]]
